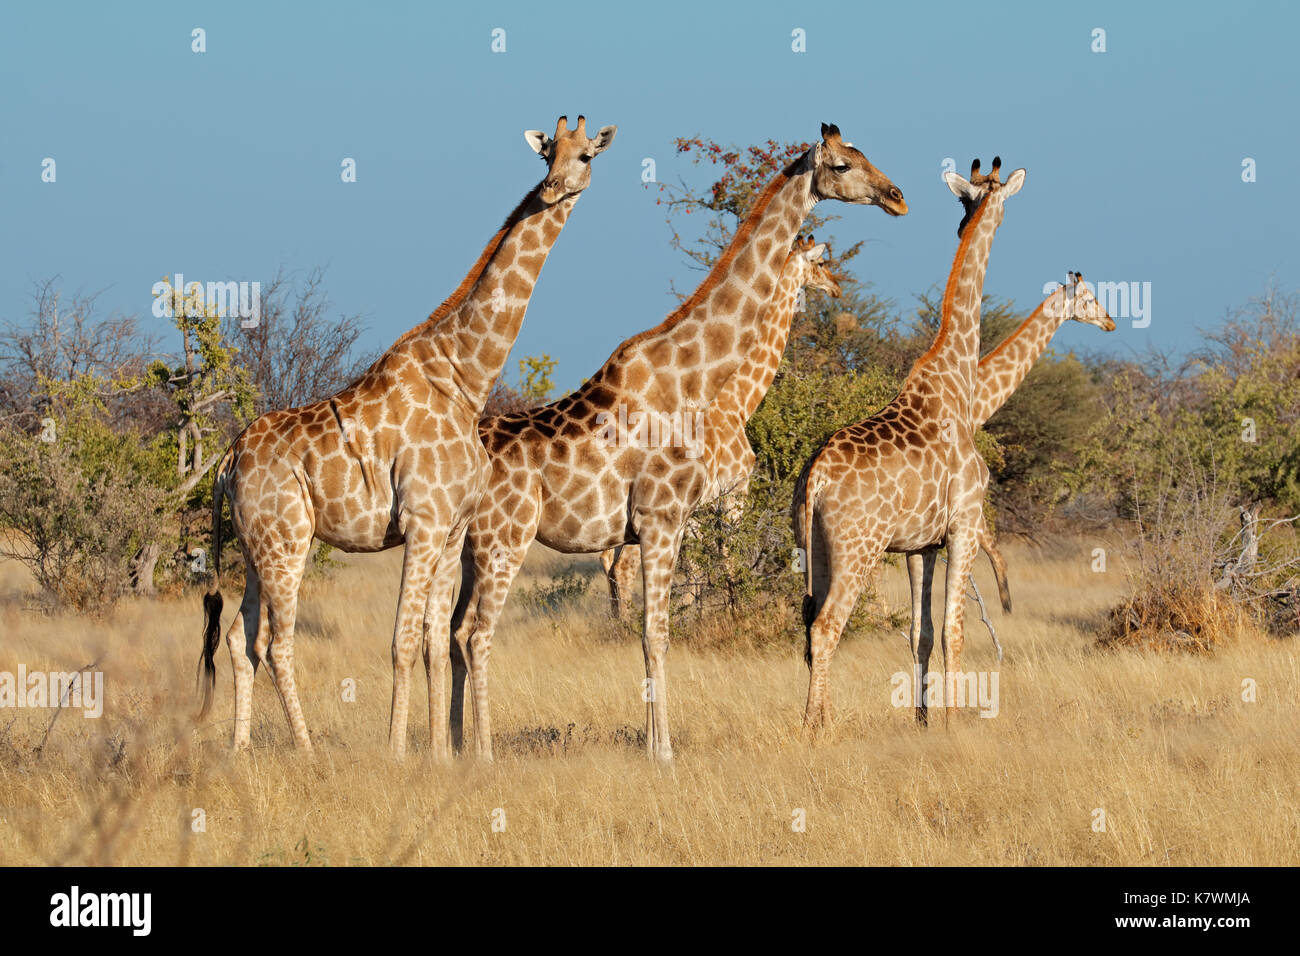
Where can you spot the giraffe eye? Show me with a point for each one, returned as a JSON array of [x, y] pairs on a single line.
[[585, 158], [841, 168]]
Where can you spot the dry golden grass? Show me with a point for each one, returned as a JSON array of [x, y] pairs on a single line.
[[1185, 770]]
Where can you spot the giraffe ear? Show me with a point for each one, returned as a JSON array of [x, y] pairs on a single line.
[[816, 252], [604, 138], [1013, 183], [961, 188], [538, 140]]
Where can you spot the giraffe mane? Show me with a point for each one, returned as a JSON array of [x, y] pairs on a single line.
[[1019, 330], [720, 267], [950, 289]]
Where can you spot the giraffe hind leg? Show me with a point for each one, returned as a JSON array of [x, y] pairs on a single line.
[[459, 659], [819, 573], [823, 637], [621, 566], [242, 638], [920, 572], [492, 577], [627, 568], [848, 565], [280, 596]]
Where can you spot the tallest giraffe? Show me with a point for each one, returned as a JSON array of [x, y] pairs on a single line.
[[572, 476], [392, 459]]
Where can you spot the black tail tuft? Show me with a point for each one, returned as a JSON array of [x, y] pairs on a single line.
[[809, 615], [207, 678]]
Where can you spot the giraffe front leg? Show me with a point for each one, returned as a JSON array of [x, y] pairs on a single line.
[[436, 640], [659, 546], [920, 575], [418, 566], [963, 545]]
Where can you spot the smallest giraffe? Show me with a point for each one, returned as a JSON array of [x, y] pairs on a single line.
[[998, 375]]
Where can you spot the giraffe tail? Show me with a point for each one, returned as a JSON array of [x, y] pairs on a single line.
[[1000, 575], [990, 546], [212, 602]]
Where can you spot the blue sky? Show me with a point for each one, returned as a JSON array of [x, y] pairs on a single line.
[[226, 164]]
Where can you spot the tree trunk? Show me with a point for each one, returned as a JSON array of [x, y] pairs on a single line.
[[142, 566]]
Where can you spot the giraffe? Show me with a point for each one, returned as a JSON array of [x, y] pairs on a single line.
[[620, 460], [729, 455], [394, 458], [997, 376], [910, 476]]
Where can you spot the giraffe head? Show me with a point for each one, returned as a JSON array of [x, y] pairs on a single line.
[[1081, 305], [812, 260], [842, 172], [971, 192], [568, 156]]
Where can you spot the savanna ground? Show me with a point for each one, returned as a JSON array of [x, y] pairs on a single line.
[[1186, 771]]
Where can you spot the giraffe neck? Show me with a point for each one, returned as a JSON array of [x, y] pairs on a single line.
[[744, 391], [1003, 369], [953, 357], [473, 331], [687, 359]]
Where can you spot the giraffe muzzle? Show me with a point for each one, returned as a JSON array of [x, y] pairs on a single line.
[[893, 202]]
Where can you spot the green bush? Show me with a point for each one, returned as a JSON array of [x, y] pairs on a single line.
[[564, 590], [77, 508]]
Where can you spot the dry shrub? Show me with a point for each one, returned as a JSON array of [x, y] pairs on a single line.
[[1175, 602], [1164, 617]]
